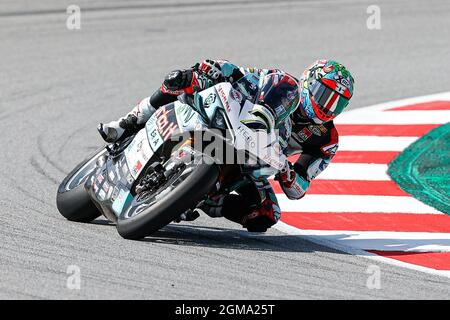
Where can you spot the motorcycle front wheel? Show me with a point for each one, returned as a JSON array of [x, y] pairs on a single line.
[[150, 212], [72, 200]]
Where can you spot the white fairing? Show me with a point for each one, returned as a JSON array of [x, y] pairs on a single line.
[[138, 153], [263, 144]]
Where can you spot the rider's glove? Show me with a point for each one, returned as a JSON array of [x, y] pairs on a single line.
[[210, 69], [292, 184], [178, 79], [287, 174]]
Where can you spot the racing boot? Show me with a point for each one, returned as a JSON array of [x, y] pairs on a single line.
[[212, 206], [189, 215], [133, 121]]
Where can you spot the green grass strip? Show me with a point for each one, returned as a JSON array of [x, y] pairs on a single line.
[[423, 169]]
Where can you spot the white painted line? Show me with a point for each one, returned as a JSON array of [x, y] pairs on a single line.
[[283, 227], [443, 96], [388, 241], [362, 116], [375, 115], [355, 203], [373, 143], [355, 171]]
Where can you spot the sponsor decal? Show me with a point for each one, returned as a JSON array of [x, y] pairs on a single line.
[[143, 150], [340, 79], [137, 157], [279, 110], [181, 108], [315, 130], [330, 149], [172, 92], [303, 134], [136, 168], [328, 68], [200, 81], [340, 88], [322, 128], [248, 138], [109, 192], [273, 162], [95, 187], [100, 178], [130, 179], [223, 98], [277, 147], [155, 139], [165, 127], [111, 176], [105, 186], [115, 193], [139, 146], [188, 115], [122, 200], [117, 172], [101, 195], [145, 156], [236, 95], [210, 99], [306, 132]]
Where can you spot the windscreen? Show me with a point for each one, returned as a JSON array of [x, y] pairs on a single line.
[[279, 92], [248, 86]]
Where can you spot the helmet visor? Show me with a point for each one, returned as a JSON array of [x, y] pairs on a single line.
[[328, 102]]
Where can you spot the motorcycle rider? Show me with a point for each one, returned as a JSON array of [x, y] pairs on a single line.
[[325, 89]]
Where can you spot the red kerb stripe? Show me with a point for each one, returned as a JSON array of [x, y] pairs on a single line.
[[407, 130], [432, 105], [434, 260], [378, 157], [360, 221], [351, 187]]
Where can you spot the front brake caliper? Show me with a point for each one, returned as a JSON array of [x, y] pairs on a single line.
[[153, 178]]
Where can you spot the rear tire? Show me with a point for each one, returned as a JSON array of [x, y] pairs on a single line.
[[185, 196], [75, 204]]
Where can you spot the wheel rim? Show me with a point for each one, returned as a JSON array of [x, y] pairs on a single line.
[[144, 201], [82, 173]]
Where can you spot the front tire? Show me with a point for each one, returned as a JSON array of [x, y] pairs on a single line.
[[185, 196], [72, 200]]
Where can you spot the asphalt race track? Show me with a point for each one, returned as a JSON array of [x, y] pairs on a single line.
[[57, 84]]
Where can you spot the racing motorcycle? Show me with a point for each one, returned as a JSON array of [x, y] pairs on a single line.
[[151, 178]]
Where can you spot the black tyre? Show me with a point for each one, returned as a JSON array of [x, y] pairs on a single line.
[[186, 195], [72, 200]]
